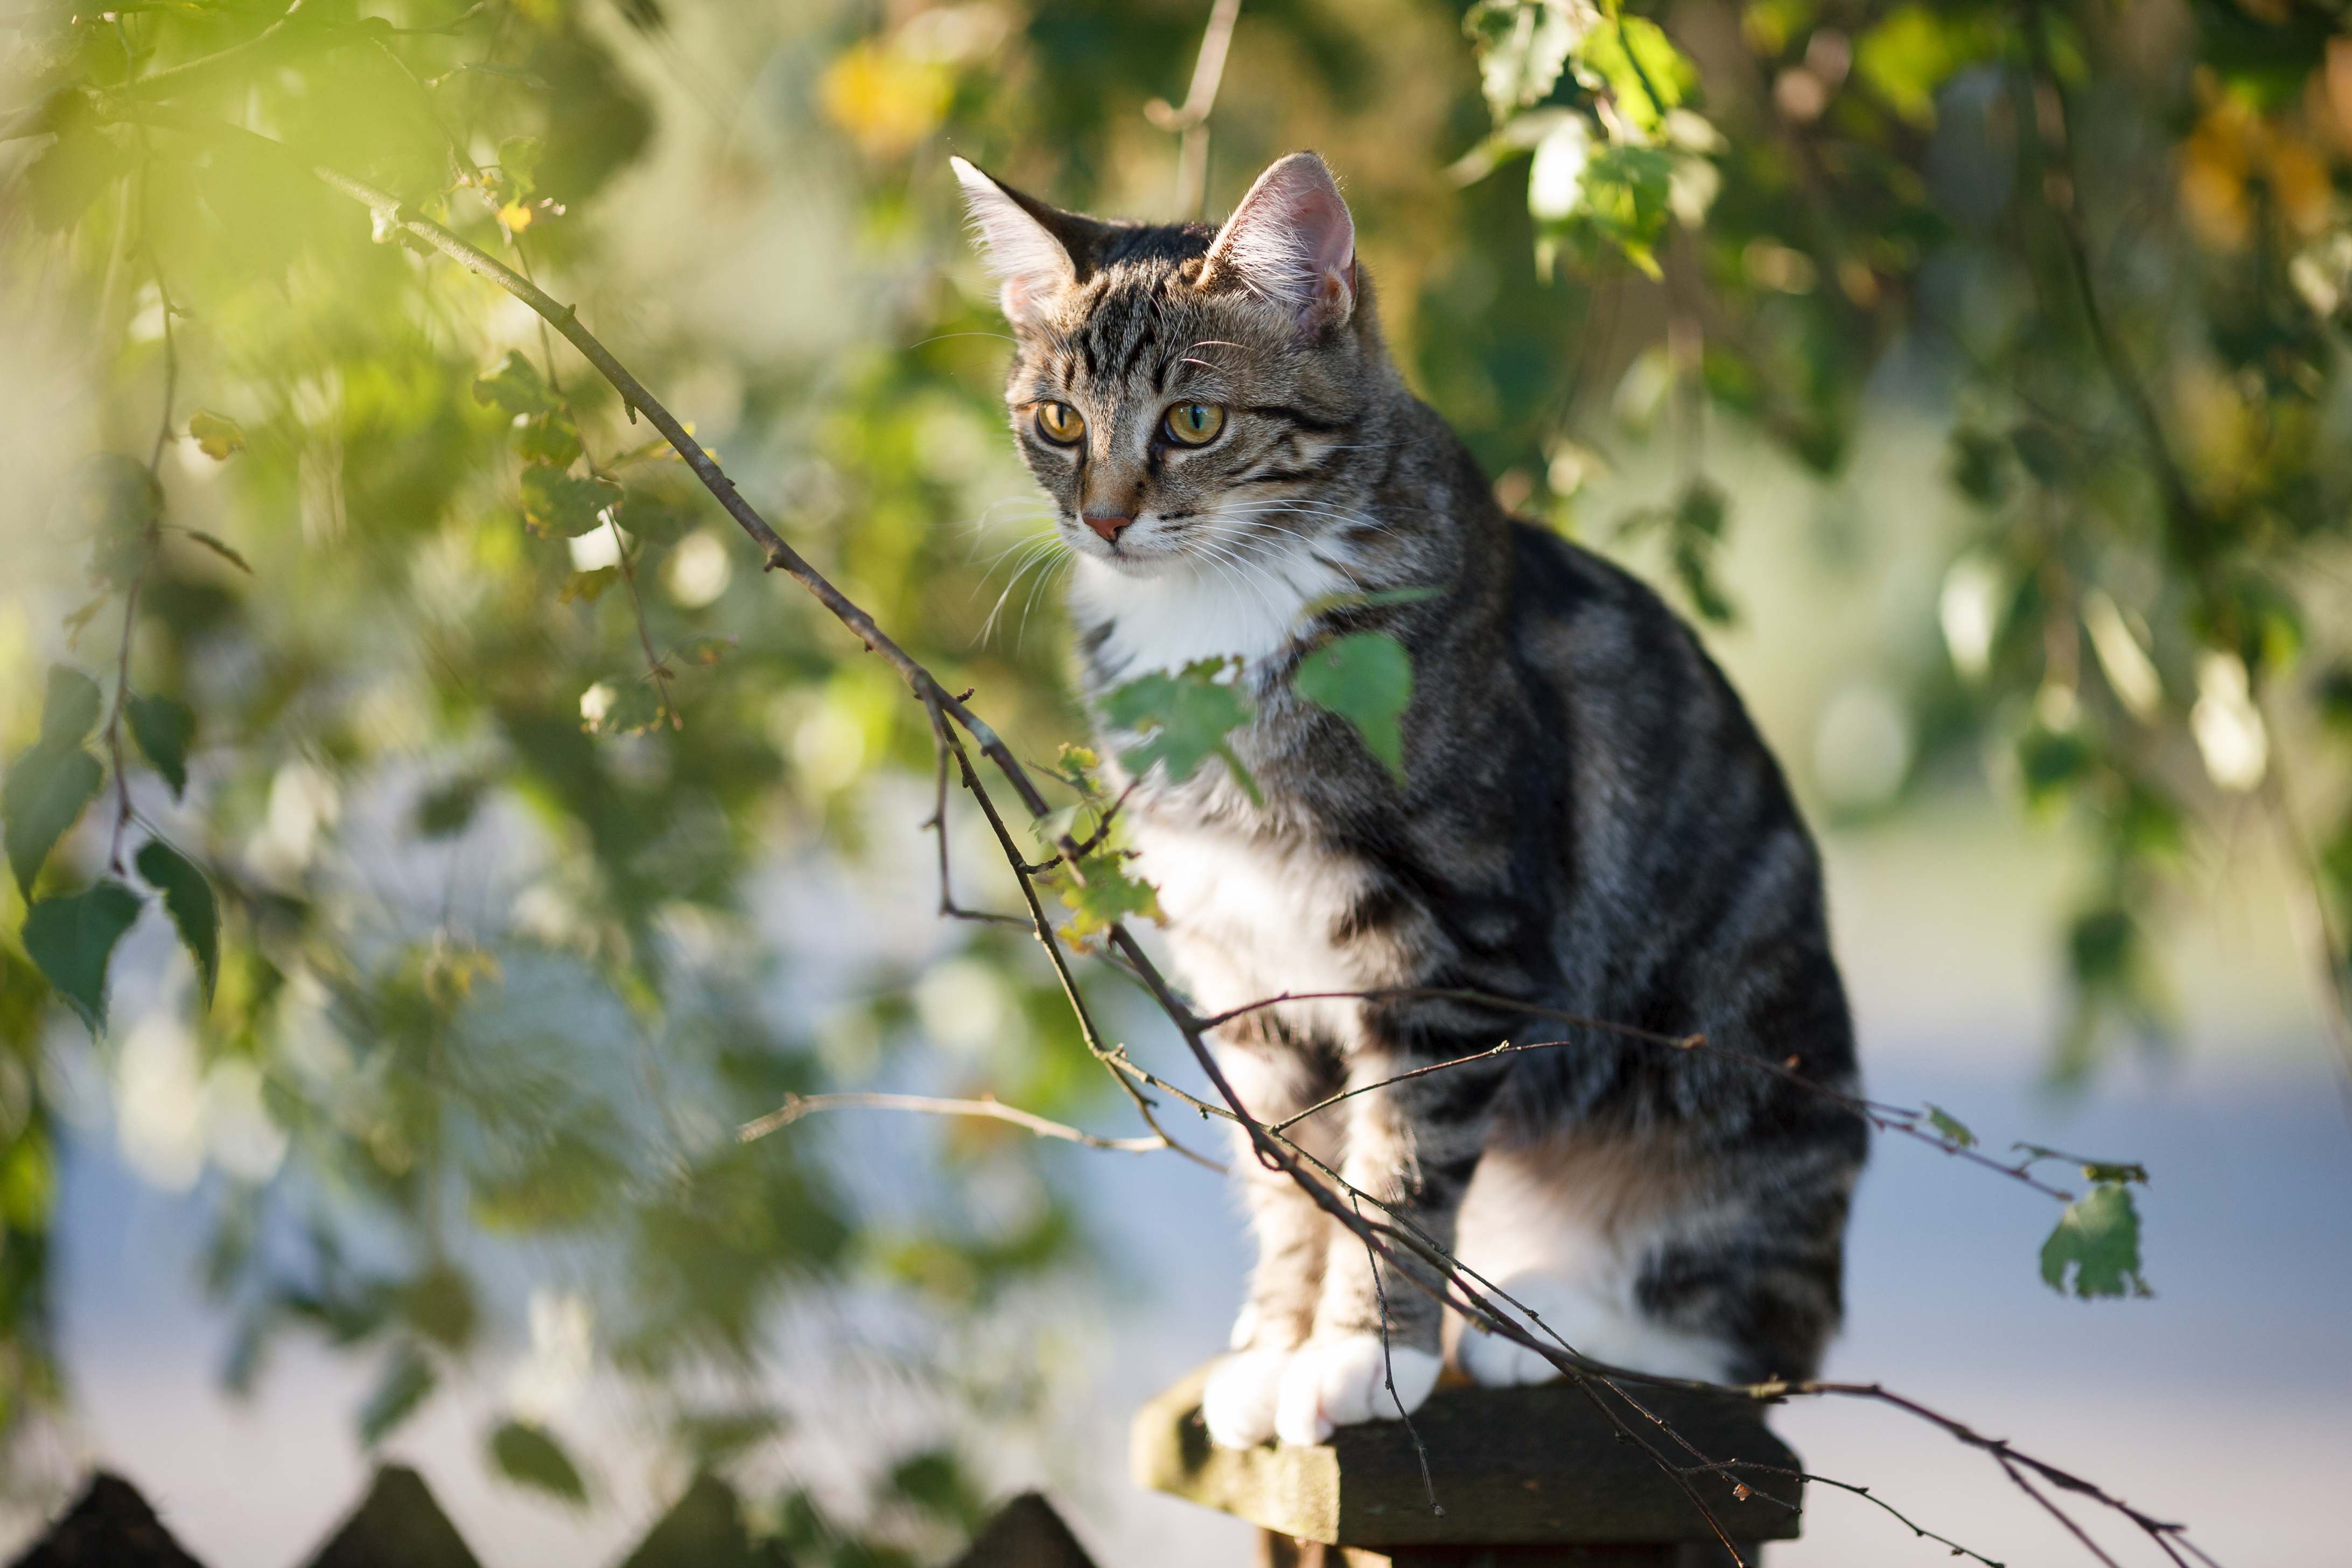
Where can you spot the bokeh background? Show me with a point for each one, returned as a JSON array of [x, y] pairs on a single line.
[[1983, 406]]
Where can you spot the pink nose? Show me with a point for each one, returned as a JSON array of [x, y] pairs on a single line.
[[1110, 527]]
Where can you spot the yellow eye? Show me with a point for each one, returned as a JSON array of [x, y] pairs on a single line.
[[1194, 424], [1060, 424]]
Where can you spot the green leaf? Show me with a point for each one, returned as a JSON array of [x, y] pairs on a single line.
[[555, 503], [216, 435], [47, 789], [406, 1382], [1912, 52], [116, 501], [588, 586], [526, 1453], [1182, 719], [629, 708], [552, 438], [518, 161], [2097, 1240], [163, 726], [517, 388], [2093, 1170], [1950, 1127], [219, 549], [1109, 897], [1522, 47], [60, 184], [1647, 73], [69, 708], [188, 897], [72, 939], [1366, 677]]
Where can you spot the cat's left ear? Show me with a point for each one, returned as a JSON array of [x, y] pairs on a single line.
[[1036, 252], [1292, 241]]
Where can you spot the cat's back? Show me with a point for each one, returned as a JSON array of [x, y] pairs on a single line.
[[1684, 849]]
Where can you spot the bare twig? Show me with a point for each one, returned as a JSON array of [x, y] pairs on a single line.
[[1192, 119], [796, 1106]]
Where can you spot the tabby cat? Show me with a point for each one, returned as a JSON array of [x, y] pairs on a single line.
[[1589, 821]]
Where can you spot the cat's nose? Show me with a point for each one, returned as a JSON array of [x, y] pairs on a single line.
[[1110, 527]]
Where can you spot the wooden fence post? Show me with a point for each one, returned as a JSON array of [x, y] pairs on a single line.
[[1528, 1478]]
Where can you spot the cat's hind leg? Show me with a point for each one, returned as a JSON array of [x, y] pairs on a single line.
[[1563, 1227]]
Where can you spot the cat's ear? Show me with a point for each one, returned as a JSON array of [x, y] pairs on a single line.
[[1292, 241], [1037, 252]]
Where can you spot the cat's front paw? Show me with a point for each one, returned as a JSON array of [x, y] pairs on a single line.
[[1338, 1383], [1238, 1402]]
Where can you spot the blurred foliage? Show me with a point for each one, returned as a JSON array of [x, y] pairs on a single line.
[[362, 640]]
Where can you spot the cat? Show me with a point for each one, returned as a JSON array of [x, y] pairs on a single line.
[[1588, 822]]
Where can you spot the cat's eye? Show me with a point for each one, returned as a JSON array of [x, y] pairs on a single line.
[[1060, 424], [1194, 424]]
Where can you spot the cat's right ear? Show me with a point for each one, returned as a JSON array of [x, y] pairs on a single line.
[[1036, 252]]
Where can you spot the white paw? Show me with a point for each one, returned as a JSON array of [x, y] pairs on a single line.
[[1595, 1328], [1341, 1382], [1238, 1401]]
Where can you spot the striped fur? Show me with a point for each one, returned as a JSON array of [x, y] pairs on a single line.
[[1589, 823]]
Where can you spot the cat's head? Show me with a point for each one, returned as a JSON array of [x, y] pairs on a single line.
[[1186, 395]]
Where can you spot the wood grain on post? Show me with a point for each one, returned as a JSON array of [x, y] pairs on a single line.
[[1527, 1477]]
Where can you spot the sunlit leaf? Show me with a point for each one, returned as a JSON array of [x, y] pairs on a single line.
[[528, 1455], [189, 900], [1366, 677], [1109, 896], [1523, 45], [71, 938], [1182, 720], [216, 435], [163, 727], [1647, 73], [555, 503], [2098, 1243], [2119, 1171], [406, 1382]]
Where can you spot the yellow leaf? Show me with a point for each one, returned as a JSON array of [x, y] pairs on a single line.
[[515, 215], [885, 101]]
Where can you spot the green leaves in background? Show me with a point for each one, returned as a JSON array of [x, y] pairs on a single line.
[[401, 1390], [72, 938], [188, 897], [2098, 1242], [525, 1453], [216, 436], [556, 503], [1522, 48], [115, 502], [51, 783], [1182, 719], [1365, 678], [517, 388], [163, 726]]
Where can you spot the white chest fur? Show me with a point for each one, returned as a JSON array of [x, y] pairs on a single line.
[[1198, 608], [1251, 919]]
